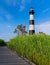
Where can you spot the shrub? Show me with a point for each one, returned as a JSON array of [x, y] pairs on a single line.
[[2, 42]]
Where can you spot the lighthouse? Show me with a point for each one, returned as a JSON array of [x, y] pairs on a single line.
[[31, 22]]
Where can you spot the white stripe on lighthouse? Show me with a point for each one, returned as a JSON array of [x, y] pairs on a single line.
[[31, 17], [31, 27]]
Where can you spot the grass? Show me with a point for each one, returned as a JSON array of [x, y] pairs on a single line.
[[36, 48]]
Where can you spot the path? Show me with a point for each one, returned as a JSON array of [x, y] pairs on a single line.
[[7, 57]]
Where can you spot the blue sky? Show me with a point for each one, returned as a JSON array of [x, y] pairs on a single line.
[[15, 12]]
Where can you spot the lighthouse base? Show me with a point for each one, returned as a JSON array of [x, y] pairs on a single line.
[[31, 32]]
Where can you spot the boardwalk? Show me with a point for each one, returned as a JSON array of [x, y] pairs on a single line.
[[7, 57]]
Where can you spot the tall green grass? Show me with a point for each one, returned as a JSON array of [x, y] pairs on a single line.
[[36, 48]]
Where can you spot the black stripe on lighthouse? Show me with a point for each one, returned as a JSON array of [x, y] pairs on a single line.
[[31, 22]]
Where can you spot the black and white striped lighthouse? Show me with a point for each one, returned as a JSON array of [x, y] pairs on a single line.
[[31, 22]]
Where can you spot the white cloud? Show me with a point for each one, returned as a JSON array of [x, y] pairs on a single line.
[[5, 13], [8, 16], [46, 10], [11, 2], [9, 26], [1, 18], [21, 8], [44, 27], [20, 3], [23, 3]]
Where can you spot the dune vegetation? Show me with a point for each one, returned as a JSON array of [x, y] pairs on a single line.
[[35, 47]]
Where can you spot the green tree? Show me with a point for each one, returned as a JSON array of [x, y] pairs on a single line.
[[20, 30], [2, 42]]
